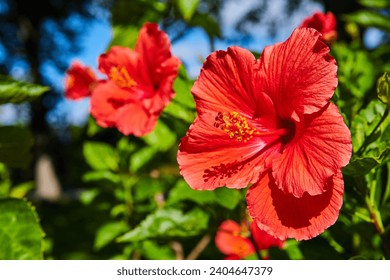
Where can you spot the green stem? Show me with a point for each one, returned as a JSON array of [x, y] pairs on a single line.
[[128, 183], [378, 224], [367, 140], [375, 216]]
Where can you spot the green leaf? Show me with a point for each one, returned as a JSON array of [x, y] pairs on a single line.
[[209, 24], [99, 175], [154, 251], [88, 196], [108, 232], [141, 157], [291, 247], [182, 86], [92, 127], [22, 189], [180, 112], [187, 8], [361, 166], [125, 36], [375, 3], [356, 71], [369, 18], [364, 123], [15, 145], [182, 191], [21, 237], [168, 223], [5, 182], [148, 188], [183, 105], [228, 198], [12, 91], [161, 138], [100, 155]]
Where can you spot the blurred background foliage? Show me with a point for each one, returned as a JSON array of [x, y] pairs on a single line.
[[83, 192]]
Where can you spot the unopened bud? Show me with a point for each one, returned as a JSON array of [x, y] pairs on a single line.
[[383, 89]]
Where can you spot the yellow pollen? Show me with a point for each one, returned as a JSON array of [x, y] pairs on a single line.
[[121, 77], [70, 81], [235, 125]]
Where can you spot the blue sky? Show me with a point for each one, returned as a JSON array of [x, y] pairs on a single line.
[[95, 42]]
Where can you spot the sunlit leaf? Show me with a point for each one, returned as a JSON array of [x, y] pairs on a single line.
[[161, 138], [22, 189], [228, 198], [187, 8], [15, 145], [125, 36], [98, 175], [356, 71], [375, 3], [100, 155], [168, 223], [20, 233], [12, 91], [291, 247], [180, 112], [370, 18], [88, 196]]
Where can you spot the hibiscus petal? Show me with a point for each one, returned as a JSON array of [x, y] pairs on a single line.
[[133, 119], [106, 98], [263, 240], [323, 23], [154, 48], [122, 57], [227, 82], [208, 158], [321, 146], [229, 241], [79, 81], [298, 74], [164, 93], [285, 216]]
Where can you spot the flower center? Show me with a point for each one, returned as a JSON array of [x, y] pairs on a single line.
[[70, 81], [121, 77], [237, 127]]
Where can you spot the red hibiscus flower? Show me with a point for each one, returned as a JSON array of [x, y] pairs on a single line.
[[233, 240], [79, 81], [269, 122], [138, 85], [323, 23]]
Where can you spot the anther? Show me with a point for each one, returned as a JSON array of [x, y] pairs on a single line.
[[121, 77]]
